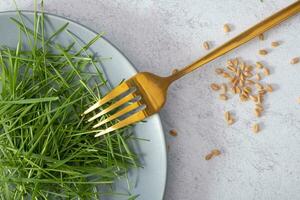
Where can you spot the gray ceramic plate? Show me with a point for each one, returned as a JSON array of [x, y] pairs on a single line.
[[150, 180]]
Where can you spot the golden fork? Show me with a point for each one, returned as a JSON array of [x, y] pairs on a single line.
[[152, 89]]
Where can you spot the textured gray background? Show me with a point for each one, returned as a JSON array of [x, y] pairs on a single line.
[[159, 36]]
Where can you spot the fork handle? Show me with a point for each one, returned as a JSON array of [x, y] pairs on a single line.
[[240, 39]]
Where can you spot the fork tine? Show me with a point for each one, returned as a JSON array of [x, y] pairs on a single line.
[[136, 117], [123, 87], [122, 101], [125, 110]]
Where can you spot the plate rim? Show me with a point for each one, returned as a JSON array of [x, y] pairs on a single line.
[[132, 68]]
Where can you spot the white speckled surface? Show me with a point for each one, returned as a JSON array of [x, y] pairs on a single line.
[[158, 36]]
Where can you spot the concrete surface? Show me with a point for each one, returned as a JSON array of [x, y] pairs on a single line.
[[159, 36]]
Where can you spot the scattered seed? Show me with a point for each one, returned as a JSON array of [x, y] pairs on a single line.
[[259, 65], [257, 76], [240, 82], [223, 97], [175, 71], [173, 132], [216, 152], [262, 52], [295, 60], [266, 71], [261, 37], [219, 71], [209, 156], [226, 28], [269, 88], [275, 44], [214, 86], [255, 128], [206, 45], [257, 112]]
